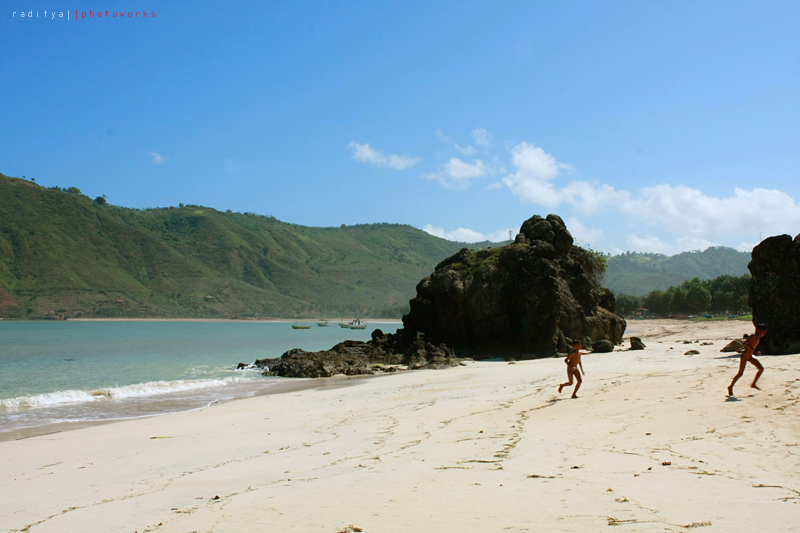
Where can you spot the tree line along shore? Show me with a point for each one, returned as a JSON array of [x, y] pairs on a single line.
[[722, 295]]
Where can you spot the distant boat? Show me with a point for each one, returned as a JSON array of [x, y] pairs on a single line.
[[324, 324], [357, 324], [301, 326]]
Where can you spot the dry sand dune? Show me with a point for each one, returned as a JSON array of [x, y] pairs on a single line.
[[652, 444]]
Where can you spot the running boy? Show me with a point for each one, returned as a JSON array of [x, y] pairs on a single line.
[[573, 361], [750, 345]]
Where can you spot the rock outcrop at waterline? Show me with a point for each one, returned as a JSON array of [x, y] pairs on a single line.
[[385, 352], [775, 293], [531, 297], [525, 300]]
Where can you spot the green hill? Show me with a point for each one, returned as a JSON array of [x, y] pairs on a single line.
[[637, 274], [62, 254]]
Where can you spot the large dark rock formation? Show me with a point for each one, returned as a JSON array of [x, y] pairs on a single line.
[[775, 293], [530, 297], [525, 300]]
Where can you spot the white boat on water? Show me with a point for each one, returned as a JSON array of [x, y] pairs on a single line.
[[357, 324], [324, 324], [353, 324]]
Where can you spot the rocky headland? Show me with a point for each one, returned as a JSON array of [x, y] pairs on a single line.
[[775, 293], [529, 299]]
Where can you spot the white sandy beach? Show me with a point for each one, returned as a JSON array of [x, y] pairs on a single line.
[[652, 444]]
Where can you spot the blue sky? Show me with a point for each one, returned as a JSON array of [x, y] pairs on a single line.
[[648, 126]]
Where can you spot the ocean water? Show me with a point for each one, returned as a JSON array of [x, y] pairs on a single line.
[[76, 371]]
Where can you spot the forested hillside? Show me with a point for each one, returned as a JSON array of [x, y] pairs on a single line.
[[638, 274], [64, 254]]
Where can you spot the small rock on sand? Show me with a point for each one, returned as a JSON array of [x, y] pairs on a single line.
[[735, 345], [637, 344]]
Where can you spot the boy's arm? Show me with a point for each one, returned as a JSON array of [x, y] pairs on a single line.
[[580, 364]]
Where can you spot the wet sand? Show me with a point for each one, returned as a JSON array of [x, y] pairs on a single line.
[[280, 387]]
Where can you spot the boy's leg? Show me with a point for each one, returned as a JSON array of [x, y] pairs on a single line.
[[758, 374], [742, 364], [568, 383], [577, 385]]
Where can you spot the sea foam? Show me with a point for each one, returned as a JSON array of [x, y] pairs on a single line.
[[137, 390]]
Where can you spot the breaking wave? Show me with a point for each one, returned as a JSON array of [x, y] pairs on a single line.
[[138, 390]]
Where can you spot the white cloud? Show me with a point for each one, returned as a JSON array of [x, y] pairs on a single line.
[[468, 235], [459, 169], [652, 244], [534, 170], [746, 246], [502, 235], [533, 163], [589, 198], [482, 137], [687, 211], [582, 234], [364, 152], [466, 150], [647, 244], [533, 182], [440, 136], [400, 162], [456, 174], [692, 218], [460, 235], [158, 158], [700, 219]]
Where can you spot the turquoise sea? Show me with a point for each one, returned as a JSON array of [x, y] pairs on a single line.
[[77, 371]]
